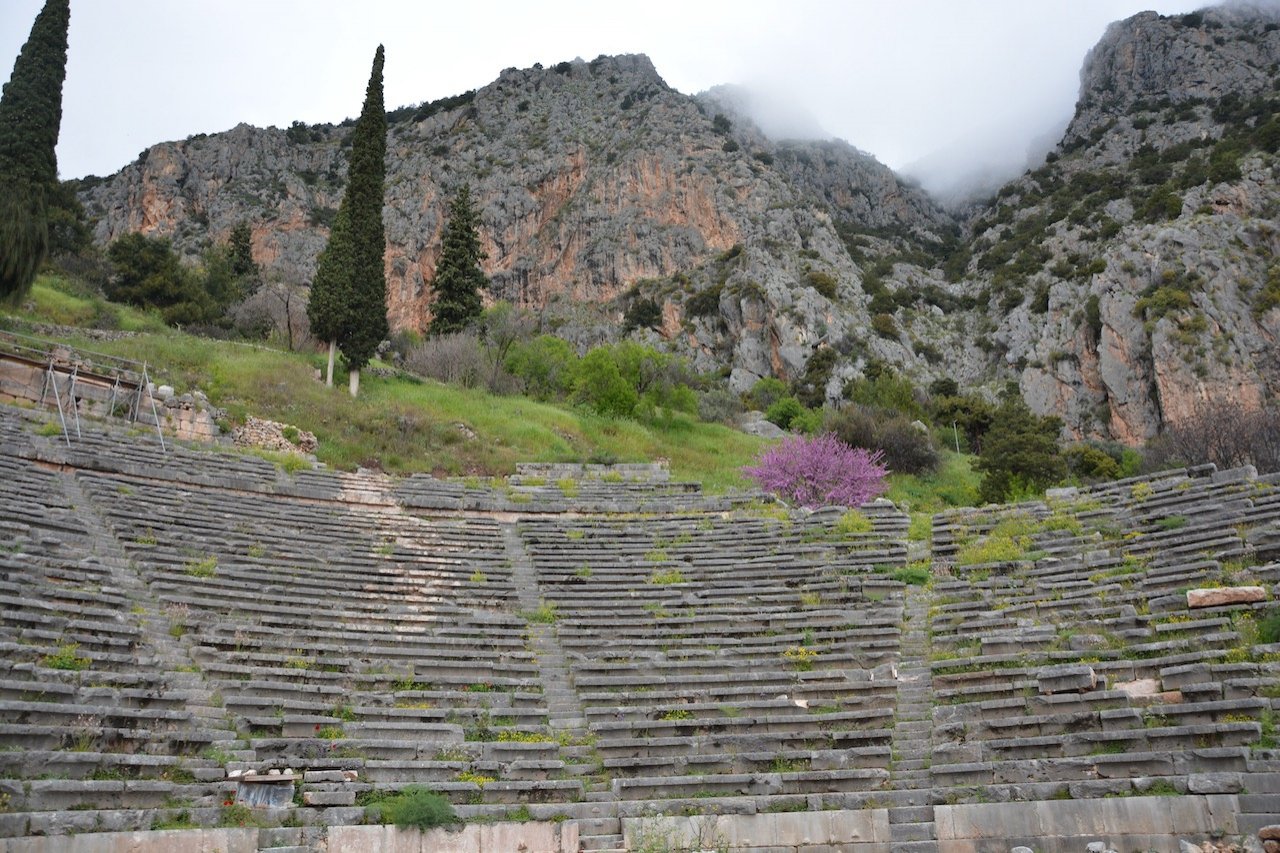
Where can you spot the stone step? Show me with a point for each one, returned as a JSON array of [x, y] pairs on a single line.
[[919, 831], [1249, 824], [279, 836], [600, 842], [1255, 803], [913, 847], [911, 764], [913, 743], [911, 814], [912, 726], [1263, 783]]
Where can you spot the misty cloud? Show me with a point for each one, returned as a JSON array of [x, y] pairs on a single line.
[[948, 88]]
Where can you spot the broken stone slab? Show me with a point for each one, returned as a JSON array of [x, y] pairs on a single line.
[[1067, 678], [1146, 691], [1220, 596]]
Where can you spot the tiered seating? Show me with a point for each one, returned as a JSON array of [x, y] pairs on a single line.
[[340, 630], [94, 710], [725, 656], [602, 642], [561, 488], [1064, 650]]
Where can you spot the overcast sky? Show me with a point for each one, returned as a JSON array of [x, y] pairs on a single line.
[[902, 79]]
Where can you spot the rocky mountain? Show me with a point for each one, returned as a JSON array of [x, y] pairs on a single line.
[[1129, 279], [590, 177], [1130, 276]]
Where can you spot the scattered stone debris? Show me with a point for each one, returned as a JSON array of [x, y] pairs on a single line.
[[270, 435]]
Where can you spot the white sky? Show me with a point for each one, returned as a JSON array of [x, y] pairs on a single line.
[[902, 79]]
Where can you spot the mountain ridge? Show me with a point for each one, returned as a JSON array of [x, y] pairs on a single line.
[[598, 184]]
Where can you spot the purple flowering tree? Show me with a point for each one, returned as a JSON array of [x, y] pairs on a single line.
[[820, 471]]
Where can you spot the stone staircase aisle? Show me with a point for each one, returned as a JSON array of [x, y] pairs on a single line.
[[601, 831], [911, 816], [171, 647]]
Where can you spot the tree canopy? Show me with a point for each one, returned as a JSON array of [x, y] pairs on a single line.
[[349, 294], [459, 278], [30, 118], [1020, 453]]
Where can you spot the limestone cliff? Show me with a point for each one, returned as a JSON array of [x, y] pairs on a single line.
[[1125, 279], [589, 177]]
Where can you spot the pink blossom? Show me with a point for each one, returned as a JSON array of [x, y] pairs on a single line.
[[820, 471]]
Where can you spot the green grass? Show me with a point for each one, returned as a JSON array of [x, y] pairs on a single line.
[[955, 483], [57, 300], [405, 425]]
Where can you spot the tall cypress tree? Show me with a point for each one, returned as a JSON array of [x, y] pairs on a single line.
[[459, 279], [30, 116], [348, 305]]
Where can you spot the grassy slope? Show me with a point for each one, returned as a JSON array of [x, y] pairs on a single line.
[[406, 425], [403, 424]]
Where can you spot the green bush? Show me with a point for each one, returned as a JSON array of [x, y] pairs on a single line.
[[808, 422], [784, 411], [598, 383], [146, 273], [766, 392], [1269, 296], [824, 283], [906, 449], [1020, 453], [642, 313], [545, 365], [1164, 300], [415, 807], [1269, 628], [885, 390], [704, 303], [1090, 464], [885, 326], [811, 388]]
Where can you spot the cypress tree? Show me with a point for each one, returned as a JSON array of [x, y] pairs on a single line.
[[30, 116], [458, 279], [327, 302], [348, 305]]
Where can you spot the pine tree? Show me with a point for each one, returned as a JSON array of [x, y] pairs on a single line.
[[30, 117], [459, 279], [348, 305]]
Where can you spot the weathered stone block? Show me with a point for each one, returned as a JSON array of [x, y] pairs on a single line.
[[1214, 783], [1066, 678], [1221, 596], [329, 798]]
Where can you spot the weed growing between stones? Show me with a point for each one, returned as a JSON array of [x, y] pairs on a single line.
[[414, 807], [206, 568], [545, 614], [66, 658]]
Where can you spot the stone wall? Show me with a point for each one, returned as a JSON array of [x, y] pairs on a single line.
[[187, 416], [190, 840], [531, 837], [1051, 826]]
